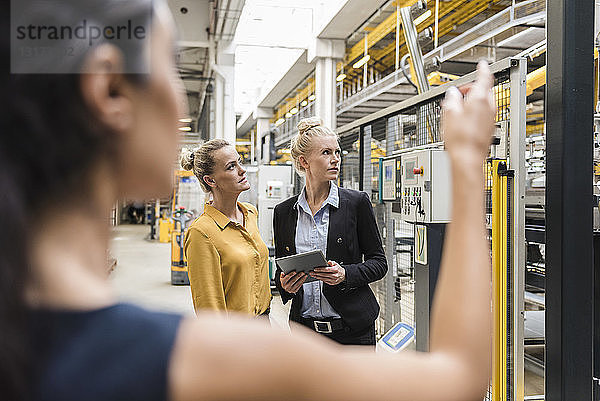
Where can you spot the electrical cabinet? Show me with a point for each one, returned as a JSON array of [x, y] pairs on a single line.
[[274, 185], [426, 186]]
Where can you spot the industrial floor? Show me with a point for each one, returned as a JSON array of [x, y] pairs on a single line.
[[142, 276]]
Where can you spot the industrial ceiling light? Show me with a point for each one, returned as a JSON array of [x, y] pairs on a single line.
[[185, 128], [341, 77], [362, 61], [304, 103], [279, 122], [185, 120], [421, 18], [311, 98], [288, 114], [294, 110]]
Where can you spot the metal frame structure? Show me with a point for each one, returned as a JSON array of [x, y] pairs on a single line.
[[516, 157], [513, 100], [569, 218], [434, 92]]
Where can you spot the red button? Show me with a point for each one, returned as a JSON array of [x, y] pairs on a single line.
[[418, 170]]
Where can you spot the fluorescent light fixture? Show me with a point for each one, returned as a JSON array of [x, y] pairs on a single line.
[[362, 61], [311, 98], [294, 110], [288, 114], [340, 77], [304, 103], [185, 128], [185, 120], [279, 122], [421, 18]]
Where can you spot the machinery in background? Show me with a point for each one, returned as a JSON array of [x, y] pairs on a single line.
[[156, 210], [187, 204], [165, 225], [390, 171], [397, 339], [417, 183], [274, 186], [251, 195], [426, 202], [426, 186], [412, 214], [399, 243], [179, 272]]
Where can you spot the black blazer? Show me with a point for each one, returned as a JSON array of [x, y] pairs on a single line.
[[352, 235]]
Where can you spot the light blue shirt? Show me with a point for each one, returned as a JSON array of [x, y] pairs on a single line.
[[311, 234]]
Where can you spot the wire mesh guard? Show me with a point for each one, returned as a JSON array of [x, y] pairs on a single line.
[[415, 126]]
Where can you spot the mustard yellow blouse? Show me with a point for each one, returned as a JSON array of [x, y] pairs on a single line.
[[228, 263]]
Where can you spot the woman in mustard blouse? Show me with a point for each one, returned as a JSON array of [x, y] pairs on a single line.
[[227, 258]]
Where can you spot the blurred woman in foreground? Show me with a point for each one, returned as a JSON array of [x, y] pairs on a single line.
[[95, 137]]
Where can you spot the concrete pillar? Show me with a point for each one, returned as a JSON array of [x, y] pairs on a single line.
[[224, 113], [327, 53], [263, 129]]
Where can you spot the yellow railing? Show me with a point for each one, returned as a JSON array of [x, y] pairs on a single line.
[[500, 281]]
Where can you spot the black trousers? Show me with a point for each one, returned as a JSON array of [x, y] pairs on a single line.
[[365, 336], [347, 336]]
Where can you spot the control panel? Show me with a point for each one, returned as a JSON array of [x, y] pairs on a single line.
[[426, 186], [390, 188], [275, 189]]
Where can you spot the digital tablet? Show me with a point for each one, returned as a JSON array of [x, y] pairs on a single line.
[[302, 262]]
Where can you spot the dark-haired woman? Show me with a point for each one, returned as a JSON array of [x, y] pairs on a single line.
[[228, 262], [107, 134]]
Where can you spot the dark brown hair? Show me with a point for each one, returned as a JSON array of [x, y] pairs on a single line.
[[49, 142]]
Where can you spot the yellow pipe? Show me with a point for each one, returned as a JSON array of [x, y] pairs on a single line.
[[467, 11], [462, 14], [456, 12], [446, 25], [535, 79], [379, 32], [535, 128]]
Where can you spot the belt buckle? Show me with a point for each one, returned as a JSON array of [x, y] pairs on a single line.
[[327, 325]]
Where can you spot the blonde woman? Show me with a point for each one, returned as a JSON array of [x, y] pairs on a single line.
[[340, 222], [227, 259]]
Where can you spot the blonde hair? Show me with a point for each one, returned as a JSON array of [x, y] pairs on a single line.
[[301, 144], [202, 159]]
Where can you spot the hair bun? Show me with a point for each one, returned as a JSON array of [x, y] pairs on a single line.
[[308, 123], [187, 159]]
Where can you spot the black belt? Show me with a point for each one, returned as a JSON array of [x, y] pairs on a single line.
[[324, 326]]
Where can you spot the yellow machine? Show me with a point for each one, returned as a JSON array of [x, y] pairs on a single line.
[[180, 218], [179, 274], [165, 228]]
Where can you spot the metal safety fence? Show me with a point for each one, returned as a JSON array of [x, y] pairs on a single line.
[[416, 124]]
